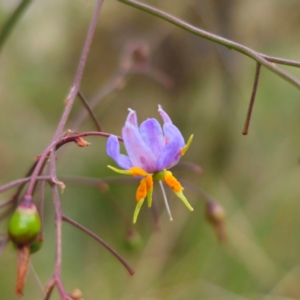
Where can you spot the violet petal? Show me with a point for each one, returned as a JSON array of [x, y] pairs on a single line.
[[152, 134], [139, 153], [132, 117], [164, 115], [113, 150], [170, 155]]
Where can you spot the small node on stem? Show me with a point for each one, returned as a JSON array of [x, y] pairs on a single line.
[[69, 132], [60, 184], [69, 95]]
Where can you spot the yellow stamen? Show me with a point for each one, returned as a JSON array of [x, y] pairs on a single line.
[[172, 182], [137, 210], [124, 172], [141, 191], [149, 183], [175, 185], [186, 147], [136, 171], [184, 200]]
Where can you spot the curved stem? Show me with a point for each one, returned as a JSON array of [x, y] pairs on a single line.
[[79, 73], [56, 145], [17, 182], [102, 242], [260, 58]]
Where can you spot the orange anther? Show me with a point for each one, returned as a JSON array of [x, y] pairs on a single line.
[[149, 182], [141, 191], [138, 171], [172, 182]]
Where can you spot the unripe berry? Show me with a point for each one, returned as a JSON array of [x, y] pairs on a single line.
[[24, 225], [36, 246], [133, 240]]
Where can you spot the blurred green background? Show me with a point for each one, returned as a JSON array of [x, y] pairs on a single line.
[[255, 177]]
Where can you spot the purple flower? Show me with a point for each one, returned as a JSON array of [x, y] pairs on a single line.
[[151, 150]]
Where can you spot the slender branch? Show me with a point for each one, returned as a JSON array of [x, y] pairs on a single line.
[[102, 242], [12, 21], [49, 288], [41, 209], [281, 61], [56, 145], [262, 59], [127, 66], [89, 109], [252, 99], [9, 201], [17, 182], [79, 73], [58, 229], [109, 87]]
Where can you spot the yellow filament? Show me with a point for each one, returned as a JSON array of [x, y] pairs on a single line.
[[149, 183], [187, 146]]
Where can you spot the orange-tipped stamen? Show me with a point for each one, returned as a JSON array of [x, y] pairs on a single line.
[[136, 171], [140, 195], [141, 191], [175, 185], [172, 182]]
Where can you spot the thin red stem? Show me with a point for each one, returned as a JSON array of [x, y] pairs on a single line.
[[55, 145], [252, 99], [79, 73], [90, 110], [102, 242]]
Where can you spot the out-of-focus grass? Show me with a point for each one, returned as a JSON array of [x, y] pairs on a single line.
[[255, 178]]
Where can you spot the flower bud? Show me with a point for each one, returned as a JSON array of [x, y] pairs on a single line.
[[76, 295], [216, 216], [133, 240], [24, 225], [215, 212]]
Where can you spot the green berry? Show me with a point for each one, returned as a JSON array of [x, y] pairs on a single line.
[[133, 240], [24, 225], [36, 246]]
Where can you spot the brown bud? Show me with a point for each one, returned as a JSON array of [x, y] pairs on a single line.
[[215, 212], [81, 142], [76, 295], [216, 215]]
